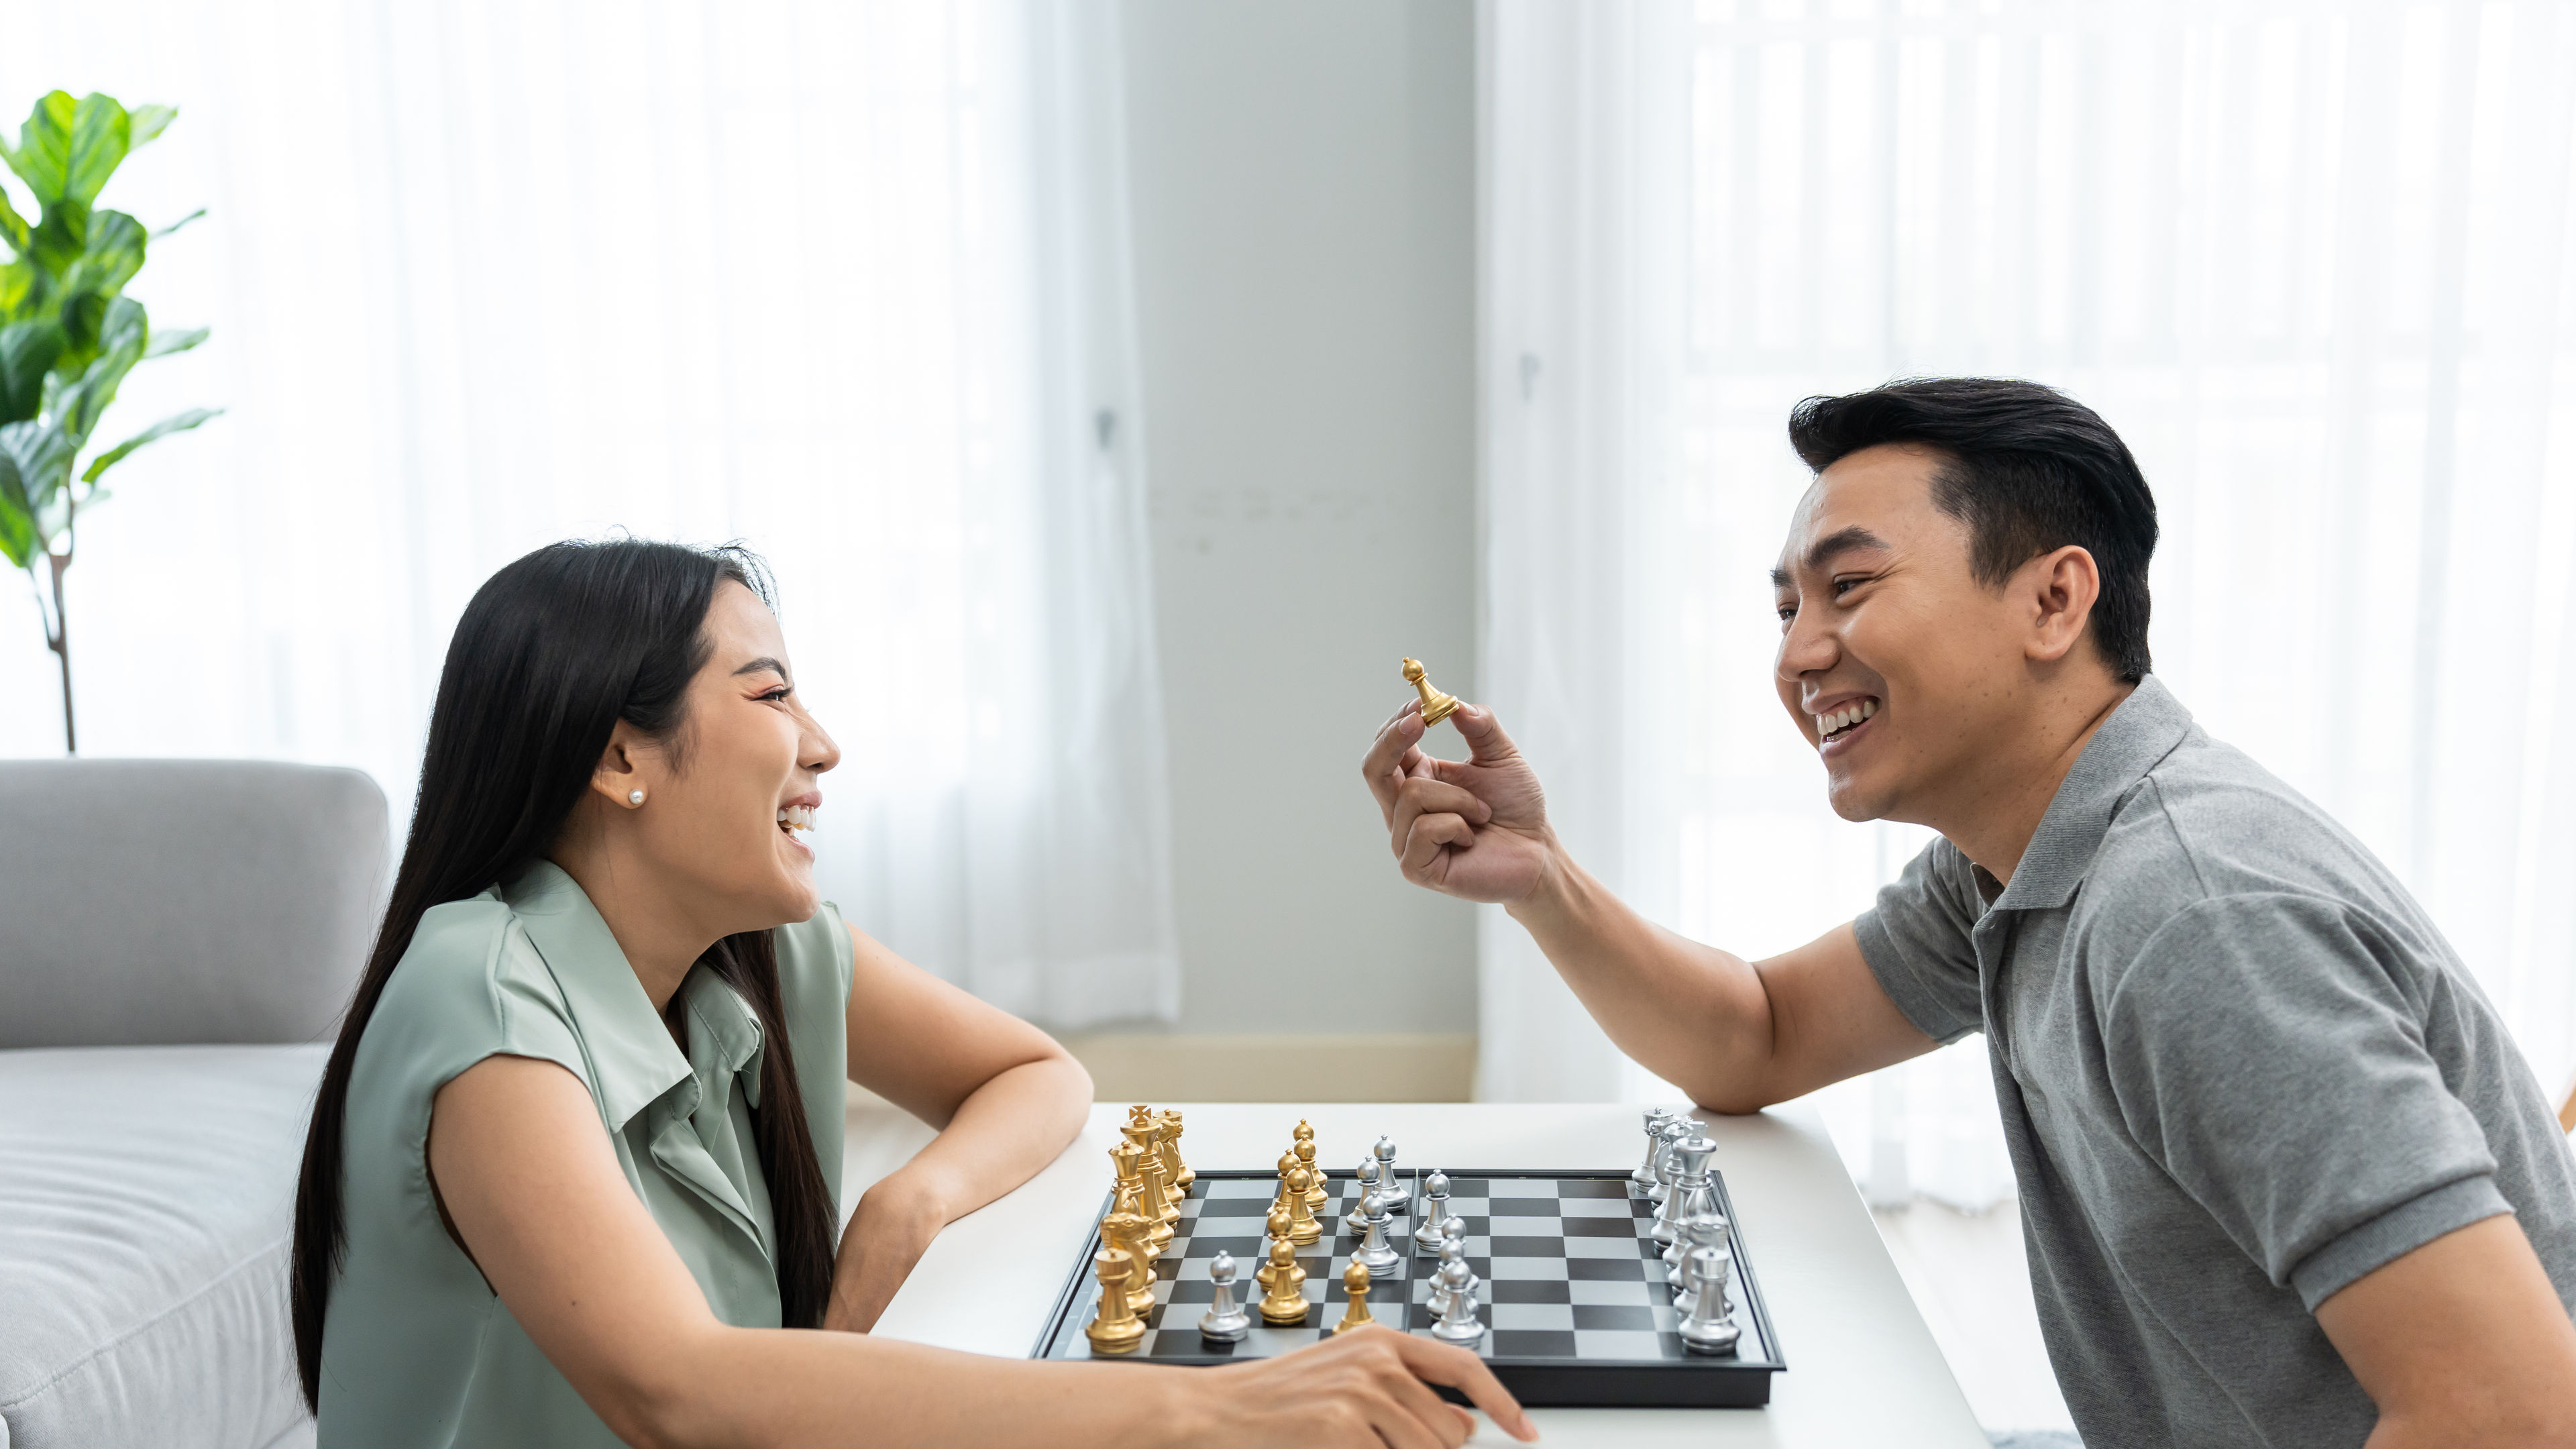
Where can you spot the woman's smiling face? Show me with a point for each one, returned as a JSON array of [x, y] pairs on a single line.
[[729, 795]]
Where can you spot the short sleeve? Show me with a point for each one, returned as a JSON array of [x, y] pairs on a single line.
[[1916, 941], [814, 964], [2267, 1051]]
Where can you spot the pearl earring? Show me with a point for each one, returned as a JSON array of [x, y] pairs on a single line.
[[634, 797]]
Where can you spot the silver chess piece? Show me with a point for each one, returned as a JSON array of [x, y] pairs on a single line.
[[1357, 1222], [1435, 1206], [1375, 1252], [1699, 1231], [1709, 1326], [1225, 1321], [1691, 1192], [1644, 1177], [1384, 1152], [1458, 1322], [1453, 1249], [1673, 1132]]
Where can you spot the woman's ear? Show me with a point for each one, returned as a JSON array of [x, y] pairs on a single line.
[[620, 776]]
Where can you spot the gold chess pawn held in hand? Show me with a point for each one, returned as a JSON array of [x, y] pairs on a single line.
[[1355, 1282], [1283, 1283], [1116, 1328], [1435, 705]]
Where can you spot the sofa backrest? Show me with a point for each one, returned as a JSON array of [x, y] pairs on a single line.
[[165, 901]]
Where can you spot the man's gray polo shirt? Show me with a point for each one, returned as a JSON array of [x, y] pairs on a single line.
[[2239, 1069]]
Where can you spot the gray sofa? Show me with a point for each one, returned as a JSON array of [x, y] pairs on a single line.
[[177, 939]]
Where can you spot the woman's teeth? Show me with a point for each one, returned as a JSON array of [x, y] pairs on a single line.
[[1830, 725], [796, 817]]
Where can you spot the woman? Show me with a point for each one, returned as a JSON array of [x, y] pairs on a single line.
[[574, 1161]]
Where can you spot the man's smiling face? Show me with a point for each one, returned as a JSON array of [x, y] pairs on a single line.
[[1894, 661]]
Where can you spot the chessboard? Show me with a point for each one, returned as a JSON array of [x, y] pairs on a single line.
[[1571, 1288]]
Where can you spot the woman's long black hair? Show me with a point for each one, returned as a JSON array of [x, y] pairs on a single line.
[[554, 650]]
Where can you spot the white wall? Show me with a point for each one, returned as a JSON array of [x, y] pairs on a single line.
[[1303, 183]]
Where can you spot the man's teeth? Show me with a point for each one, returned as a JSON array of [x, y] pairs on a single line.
[[796, 817], [1829, 725]]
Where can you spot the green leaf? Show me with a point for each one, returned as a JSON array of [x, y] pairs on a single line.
[[44, 149], [42, 457], [165, 343], [175, 423], [17, 529], [16, 229], [183, 221], [111, 257], [121, 341], [27, 349], [147, 122], [101, 133]]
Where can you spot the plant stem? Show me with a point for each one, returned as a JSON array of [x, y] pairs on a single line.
[[62, 647]]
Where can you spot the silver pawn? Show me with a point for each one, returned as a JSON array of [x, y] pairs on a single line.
[[1709, 1326], [1453, 1249], [1644, 1175], [1225, 1321], [1458, 1322], [1435, 1206], [1357, 1222], [1690, 1192], [1376, 1253], [1384, 1152], [1699, 1230]]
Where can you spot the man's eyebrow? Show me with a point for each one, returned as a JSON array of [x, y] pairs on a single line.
[[1838, 541], [763, 662]]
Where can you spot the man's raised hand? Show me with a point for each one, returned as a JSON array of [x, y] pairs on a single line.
[[1475, 828]]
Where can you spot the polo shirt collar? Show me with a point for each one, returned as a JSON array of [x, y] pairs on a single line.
[[2140, 732], [630, 1050]]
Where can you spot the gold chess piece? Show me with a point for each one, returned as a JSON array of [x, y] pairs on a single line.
[[1152, 1200], [1182, 1175], [1318, 1197], [1435, 705], [1287, 1165], [1355, 1282], [1283, 1283], [1302, 1227], [1115, 1328], [1123, 1159], [1126, 1233]]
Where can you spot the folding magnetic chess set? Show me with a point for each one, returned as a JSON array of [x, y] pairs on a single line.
[[1567, 1293]]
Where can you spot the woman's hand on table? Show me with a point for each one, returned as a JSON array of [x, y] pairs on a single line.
[[1357, 1390], [889, 1232]]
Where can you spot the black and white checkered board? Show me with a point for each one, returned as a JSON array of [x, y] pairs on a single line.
[[1571, 1289]]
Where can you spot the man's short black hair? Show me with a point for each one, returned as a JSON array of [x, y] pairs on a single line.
[[2030, 469]]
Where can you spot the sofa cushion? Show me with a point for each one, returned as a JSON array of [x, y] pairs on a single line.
[[145, 902], [145, 1198]]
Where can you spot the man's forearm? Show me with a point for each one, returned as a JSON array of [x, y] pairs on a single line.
[[1693, 1015]]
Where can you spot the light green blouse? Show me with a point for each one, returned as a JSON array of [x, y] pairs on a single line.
[[416, 1350]]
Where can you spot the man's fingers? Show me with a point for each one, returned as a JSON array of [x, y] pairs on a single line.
[[1456, 1367], [1486, 742], [1423, 844], [1391, 755], [1422, 796]]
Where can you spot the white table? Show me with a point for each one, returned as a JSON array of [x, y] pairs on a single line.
[[1863, 1370]]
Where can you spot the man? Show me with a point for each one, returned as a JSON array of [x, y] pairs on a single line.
[[2284, 1178]]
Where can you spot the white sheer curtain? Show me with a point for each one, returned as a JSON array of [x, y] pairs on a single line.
[[847, 282], [2313, 260]]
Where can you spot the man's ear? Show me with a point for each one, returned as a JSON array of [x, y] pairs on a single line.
[[2059, 588], [619, 775]]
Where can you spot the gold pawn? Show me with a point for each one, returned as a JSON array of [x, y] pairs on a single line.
[[1283, 1301], [1179, 1172], [1116, 1328], [1318, 1197], [1355, 1282], [1287, 1165], [1302, 1227], [1435, 705], [1126, 1232]]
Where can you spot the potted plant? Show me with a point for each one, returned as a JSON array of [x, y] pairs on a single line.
[[68, 336]]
